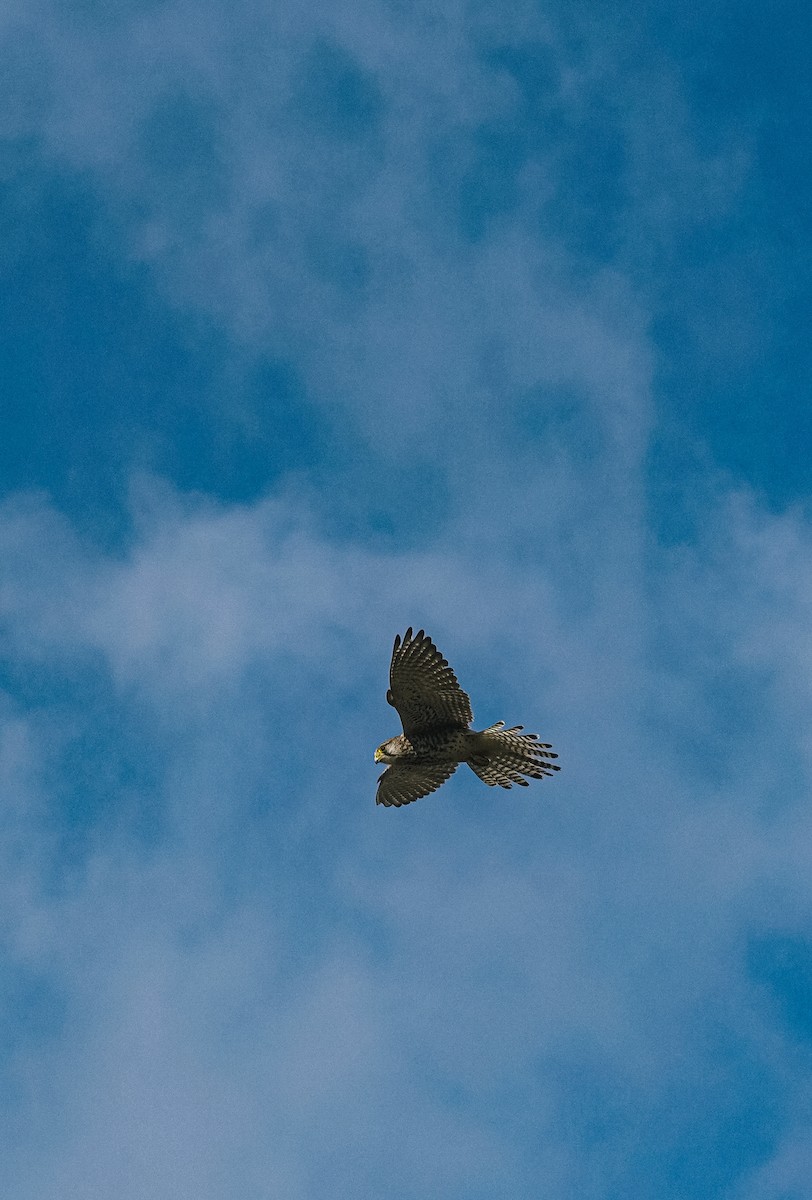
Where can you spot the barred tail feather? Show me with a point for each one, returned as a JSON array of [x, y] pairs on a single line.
[[502, 757]]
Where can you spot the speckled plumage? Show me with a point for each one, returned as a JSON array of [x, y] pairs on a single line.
[[436, 714]]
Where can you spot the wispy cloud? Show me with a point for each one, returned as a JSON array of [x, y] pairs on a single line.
[[445, 247], [346, 967]]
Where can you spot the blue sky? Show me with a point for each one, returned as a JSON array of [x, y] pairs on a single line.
[[320, 322]]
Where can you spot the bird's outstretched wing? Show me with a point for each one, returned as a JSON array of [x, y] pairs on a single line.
[[424, 689], [407, 781]]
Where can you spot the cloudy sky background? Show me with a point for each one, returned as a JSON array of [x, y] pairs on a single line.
[[321, 321]]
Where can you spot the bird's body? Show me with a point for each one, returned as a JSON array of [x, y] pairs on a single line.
[[428, 747], [436, 717]]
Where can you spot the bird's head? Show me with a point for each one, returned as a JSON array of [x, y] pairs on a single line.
[[387, 753]]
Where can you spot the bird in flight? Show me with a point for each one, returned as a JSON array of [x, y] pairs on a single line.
[[436, 714]]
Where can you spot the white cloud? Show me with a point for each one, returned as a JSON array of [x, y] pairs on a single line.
[[282, 990], [283, 196], [295, 960]]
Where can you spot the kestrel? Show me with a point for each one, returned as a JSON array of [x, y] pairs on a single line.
[[436, 714]]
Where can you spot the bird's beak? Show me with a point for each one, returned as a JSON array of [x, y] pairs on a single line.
[[378, 755]]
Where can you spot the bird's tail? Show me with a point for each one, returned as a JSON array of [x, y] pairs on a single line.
[[502, 757]]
